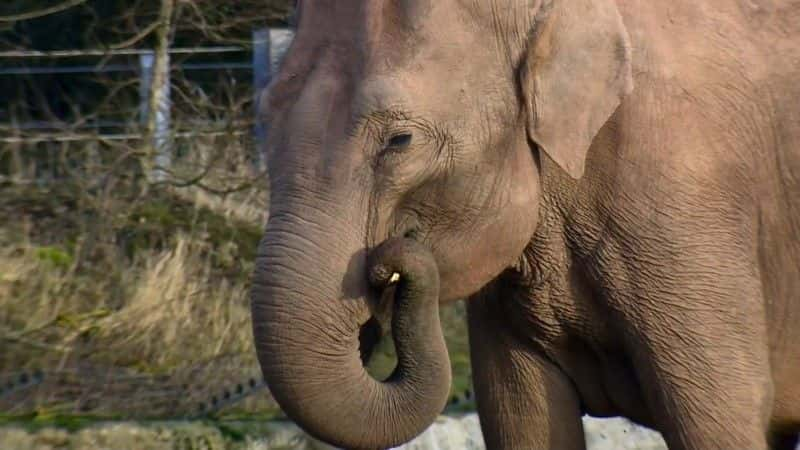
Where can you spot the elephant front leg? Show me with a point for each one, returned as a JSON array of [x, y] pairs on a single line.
[[524, 402], [705, 396], [698, 343]]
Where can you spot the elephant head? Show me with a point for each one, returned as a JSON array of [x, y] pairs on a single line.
[[406, 139]]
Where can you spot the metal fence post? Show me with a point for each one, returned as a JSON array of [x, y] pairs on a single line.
[[160, 143], [146, 61], [262, 75]]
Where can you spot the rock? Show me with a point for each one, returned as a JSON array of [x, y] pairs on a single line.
[[449, 433], [620, 434], [121, 435], [601, 434], [44, 439], [16, 438], [280, 39]]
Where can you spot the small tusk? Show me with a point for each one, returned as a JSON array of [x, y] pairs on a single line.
[[395, 278]]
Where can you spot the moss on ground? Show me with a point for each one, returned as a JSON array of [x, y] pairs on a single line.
[[39, 420]]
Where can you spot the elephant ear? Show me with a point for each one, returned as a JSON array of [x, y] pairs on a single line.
[[575, 73]]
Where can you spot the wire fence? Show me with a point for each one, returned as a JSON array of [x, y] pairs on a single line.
[[18, 389], [268, 47], [221, 105]]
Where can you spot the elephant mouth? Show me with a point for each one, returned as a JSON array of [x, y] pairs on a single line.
[[368, 337], [378, 325]]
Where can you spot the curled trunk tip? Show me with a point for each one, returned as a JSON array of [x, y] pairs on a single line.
[[314, 369]]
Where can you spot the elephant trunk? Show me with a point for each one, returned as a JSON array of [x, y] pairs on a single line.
[[306, 329]]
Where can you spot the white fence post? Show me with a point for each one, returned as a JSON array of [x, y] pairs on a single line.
[[160, 136], [262, 75], [146, 61]]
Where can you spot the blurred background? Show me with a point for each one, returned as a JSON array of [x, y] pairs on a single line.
[[132, 199]]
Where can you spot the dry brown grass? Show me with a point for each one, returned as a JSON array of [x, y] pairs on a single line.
[[162, 307], [177, 313], [247, 207], [165, 318]]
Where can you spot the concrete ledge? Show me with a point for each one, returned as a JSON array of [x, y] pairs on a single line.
[[448, 433]]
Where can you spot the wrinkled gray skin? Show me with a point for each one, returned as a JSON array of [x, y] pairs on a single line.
[[614, 185]]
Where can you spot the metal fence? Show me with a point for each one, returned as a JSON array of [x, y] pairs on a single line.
[[267, 49]]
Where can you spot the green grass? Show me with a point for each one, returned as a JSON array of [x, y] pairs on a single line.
[[36, 421]]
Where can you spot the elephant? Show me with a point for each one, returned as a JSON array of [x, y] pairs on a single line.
[[611, 186]]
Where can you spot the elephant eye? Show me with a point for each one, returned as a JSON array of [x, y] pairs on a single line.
[[398, 142]]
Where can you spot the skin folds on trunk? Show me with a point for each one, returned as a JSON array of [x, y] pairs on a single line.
[[307, 342]]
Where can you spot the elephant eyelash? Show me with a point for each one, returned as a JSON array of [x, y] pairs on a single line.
[[393, 140], [394, 147], [398, 142]]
